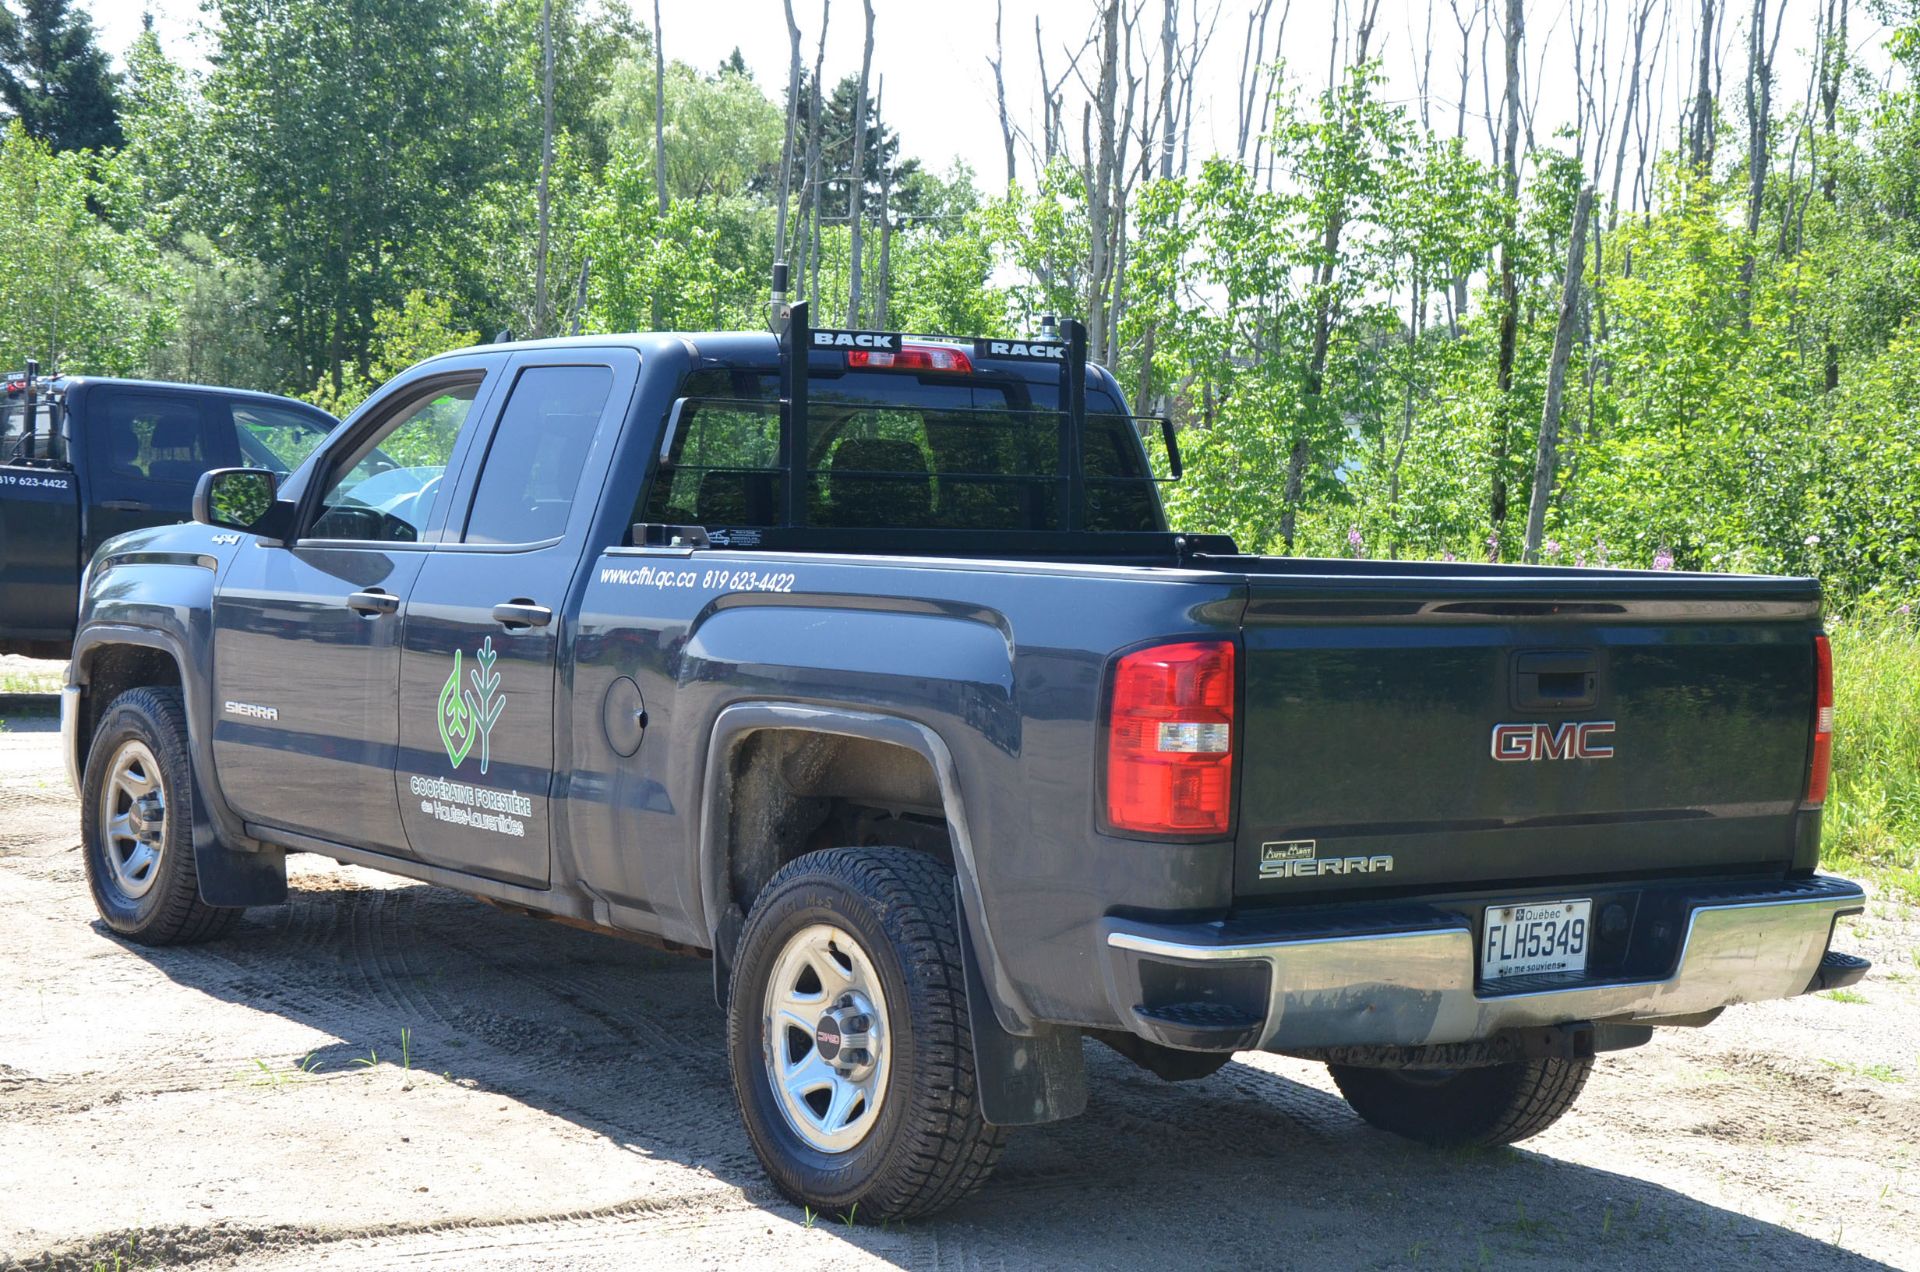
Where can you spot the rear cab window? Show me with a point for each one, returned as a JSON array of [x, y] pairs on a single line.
[[899, 451]]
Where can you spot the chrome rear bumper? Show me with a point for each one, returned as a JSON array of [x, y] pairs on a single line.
[[1411, 981]]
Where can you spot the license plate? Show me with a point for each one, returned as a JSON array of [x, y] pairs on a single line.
[[1529, 940]]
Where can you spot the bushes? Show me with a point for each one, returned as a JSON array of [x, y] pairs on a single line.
[[1873, 810]]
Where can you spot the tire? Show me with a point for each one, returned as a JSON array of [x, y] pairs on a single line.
[[1498, 1104], [892, 1024], [139, 850]]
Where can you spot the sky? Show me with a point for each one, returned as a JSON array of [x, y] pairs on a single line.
[[931, 59]]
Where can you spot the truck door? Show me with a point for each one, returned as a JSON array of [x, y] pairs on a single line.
[[488, 614], [306, 646]]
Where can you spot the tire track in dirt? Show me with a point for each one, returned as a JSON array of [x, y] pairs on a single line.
[[559, 1034]]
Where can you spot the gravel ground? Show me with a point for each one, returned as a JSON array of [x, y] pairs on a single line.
[[382, 1073]]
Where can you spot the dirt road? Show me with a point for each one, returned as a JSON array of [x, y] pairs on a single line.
[[382, 1073]]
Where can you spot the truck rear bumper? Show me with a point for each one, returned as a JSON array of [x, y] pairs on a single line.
[[1405, 974]]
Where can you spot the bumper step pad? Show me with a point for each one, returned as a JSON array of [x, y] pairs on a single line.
[[1837, 971]]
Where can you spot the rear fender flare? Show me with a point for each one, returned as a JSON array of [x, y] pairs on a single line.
[[719, 913]]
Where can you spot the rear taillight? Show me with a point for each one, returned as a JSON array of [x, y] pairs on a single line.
[[1821, 766], [1170, 740]]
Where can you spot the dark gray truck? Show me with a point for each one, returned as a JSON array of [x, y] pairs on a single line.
[[867, 667], [85, 458]]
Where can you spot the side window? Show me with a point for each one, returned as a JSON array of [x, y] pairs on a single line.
[[539, 448], [272, 437], [723, 469], [157, 437], [388, 489]]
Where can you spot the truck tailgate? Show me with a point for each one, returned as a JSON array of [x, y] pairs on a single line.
[[1447, 732]]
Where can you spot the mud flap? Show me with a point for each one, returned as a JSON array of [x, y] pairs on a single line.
[[1020, 1081], [235, 876]]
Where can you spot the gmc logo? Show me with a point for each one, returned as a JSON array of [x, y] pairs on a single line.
[[1587, 740]]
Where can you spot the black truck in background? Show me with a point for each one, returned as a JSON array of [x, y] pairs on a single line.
[[84, 458]]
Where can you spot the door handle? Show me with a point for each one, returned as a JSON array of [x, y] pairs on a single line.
[[373, 603], [516, 614], [125, 505]]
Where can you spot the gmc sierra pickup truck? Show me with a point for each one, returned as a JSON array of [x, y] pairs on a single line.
[[83, 459], [866, 666]]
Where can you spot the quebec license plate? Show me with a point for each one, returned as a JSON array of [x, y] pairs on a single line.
[[1532, 939]]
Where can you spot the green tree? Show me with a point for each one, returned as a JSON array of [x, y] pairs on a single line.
[[351, 140], [416, 329], [79, 295], [643, 257], [54, 77], [723, 135]]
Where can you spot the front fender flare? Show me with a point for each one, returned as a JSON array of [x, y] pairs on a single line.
[[233, 868]]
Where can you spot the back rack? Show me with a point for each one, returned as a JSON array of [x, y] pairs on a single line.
[[798, 339]]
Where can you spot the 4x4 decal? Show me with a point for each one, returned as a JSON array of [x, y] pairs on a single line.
[[470, 711]]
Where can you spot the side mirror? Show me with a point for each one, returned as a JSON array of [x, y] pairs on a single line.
[[238, 499]]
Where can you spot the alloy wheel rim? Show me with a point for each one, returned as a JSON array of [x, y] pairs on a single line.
[[133, 819], [825, 1037]]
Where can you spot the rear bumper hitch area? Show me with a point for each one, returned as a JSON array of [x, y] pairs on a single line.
[[1405, 975]]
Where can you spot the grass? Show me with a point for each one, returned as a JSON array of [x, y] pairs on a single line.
[[1844, 996], [1520, 1225], [30, 682], [1878, 1072], [1872, 824]]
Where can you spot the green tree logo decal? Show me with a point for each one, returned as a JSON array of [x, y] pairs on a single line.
[[470, 711]]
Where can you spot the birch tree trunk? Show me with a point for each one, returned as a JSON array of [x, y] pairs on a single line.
[[1098, 173], [1833, 70], [1547, 456], [813, 159], [1700, 136], [659, 135], [1509, 282], [1760, 55], [546, 169], [998, 62], [786, 149], [884, 283], [1324, 274], [857, 182]]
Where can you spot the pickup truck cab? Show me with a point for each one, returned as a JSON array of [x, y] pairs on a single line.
[[84, 458], [867, 667]]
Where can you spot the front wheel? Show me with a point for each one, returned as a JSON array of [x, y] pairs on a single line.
[[136, 824], [1457, 1108], [848, 1037]]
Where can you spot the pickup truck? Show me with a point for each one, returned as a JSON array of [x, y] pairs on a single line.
[[84, 458], [866, 666]]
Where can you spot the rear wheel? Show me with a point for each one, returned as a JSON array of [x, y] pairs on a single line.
[[136, 824], [1498, 1104], [849, 1041]]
